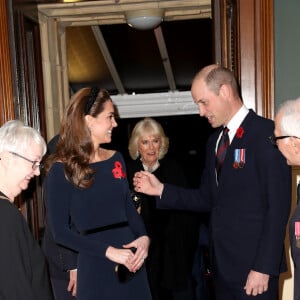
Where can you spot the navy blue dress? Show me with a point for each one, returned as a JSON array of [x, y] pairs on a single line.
[[106, 202]]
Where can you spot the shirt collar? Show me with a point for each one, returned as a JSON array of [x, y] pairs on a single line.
[[236, 121]]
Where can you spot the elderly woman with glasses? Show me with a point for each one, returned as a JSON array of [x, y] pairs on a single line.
[[23, 273]]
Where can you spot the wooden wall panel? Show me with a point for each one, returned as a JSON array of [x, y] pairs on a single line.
[[256, 54], [244, 41], [30, 106], [6, 90]]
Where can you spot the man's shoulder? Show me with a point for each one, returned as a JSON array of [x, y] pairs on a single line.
[[260, 119], [258, 124]]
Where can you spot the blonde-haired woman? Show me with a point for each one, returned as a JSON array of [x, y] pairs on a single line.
[[173, 233]]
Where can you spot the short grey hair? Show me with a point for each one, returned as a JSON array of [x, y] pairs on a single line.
[[16, 137], [290, 117], [147, 126]]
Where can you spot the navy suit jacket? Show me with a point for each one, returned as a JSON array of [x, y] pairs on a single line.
[[249, 206]]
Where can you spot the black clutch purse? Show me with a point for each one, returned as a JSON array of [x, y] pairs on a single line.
[[123, 274]]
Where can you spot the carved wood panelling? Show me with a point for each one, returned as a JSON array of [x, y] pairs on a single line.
[[28, 100], [246, 45], [6, 91]]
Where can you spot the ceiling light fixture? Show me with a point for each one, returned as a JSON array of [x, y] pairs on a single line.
[[145, 18]]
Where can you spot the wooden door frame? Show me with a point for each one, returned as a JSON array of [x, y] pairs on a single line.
[[6, 86], [244, 42]]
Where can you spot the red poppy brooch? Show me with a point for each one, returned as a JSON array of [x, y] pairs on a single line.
[[118, 170], [239, 132]]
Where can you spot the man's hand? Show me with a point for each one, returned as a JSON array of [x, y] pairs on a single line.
[[257, 283], [147, 183]]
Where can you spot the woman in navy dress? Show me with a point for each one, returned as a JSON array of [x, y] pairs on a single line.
[[89, 207]]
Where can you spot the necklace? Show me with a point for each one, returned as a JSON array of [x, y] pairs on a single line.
[[152, 168]]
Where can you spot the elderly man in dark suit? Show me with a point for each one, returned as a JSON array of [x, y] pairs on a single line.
[[287, 138], [246, 191]]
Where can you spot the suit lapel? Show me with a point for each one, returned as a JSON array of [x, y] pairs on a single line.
[[239, 142]]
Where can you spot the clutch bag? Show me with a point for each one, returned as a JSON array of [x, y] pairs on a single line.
[[123, 274]]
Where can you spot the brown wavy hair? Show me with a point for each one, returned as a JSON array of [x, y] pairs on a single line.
[[75, 147]]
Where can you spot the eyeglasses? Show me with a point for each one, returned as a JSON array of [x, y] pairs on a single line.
[[35, 164], [273, 139]]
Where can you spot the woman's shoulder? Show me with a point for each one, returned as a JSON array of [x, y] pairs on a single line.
[[117, 155], [109, 156], [56, 170], [56, 166], [108, 153]]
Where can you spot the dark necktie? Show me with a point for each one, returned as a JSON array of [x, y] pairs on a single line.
[[298, 193], [221, 150]]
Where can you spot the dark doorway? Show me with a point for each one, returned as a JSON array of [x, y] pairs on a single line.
[[188, 135]]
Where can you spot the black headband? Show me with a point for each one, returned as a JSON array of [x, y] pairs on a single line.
[[91, 100]]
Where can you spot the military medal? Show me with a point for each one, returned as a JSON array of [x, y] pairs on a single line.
[[235, 164], [239, 158]]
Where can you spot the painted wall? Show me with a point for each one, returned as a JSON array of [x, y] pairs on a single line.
[[287, 50]]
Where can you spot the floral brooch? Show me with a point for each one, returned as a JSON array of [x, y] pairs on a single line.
[[118, 170], [239, 132]]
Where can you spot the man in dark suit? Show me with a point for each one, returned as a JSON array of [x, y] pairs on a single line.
[[287, 138], [248, 200]]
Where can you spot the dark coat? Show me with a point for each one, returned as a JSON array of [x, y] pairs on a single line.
[[60, 259], [23, 272], [249, 207], [295, 251], [173, 233]]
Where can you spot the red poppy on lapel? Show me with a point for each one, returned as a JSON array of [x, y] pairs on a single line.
[[239, 132]]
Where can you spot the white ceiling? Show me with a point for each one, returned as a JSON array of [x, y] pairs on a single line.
[[171, 95]]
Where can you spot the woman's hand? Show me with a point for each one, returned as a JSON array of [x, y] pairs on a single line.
[[141, 245], [133, 260], [120, 256]]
